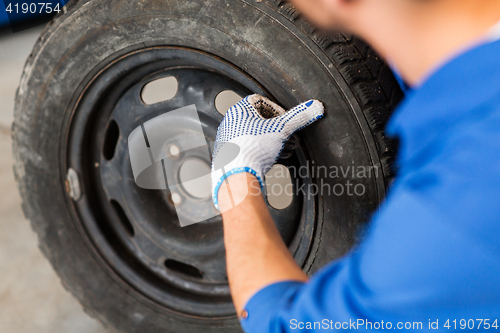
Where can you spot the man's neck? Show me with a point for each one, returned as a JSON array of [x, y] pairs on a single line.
[[430, 34]]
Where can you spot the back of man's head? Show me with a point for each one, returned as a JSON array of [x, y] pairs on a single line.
[[416, 35]]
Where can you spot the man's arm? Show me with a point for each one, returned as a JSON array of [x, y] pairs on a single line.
[[256, 253], [249, 141], [420, 264]]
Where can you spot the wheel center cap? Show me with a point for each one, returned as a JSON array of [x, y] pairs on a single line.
[[195, 169]]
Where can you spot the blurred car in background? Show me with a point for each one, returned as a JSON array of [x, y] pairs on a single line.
[[19, 15]]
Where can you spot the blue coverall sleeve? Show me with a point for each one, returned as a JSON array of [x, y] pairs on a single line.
[[431, 255]]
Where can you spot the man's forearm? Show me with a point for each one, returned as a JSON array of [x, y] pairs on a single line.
[[256, 254], [258, 128]]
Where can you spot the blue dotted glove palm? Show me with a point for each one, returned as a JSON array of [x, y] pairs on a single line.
[[252, 135]]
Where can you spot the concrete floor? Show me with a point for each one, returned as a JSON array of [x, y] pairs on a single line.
[[31, 296]]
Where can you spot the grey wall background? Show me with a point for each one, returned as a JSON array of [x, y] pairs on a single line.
[[31, 296]]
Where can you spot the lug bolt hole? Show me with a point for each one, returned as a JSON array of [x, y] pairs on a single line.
[[174, 151], [175, 198]]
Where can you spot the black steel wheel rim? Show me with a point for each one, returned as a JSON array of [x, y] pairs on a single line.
[[135, 231]]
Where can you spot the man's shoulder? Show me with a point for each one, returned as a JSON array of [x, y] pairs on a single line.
[[458, 174], [456, 111]]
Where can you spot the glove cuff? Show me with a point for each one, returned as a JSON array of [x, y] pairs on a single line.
[[253, 158], [231, 172]]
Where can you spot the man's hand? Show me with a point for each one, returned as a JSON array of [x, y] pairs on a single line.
[[256, 254], [252, 135]]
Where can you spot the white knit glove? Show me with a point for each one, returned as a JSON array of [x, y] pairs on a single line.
[[252, 135]]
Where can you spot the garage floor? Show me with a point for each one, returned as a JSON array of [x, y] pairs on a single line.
[[31, 296]]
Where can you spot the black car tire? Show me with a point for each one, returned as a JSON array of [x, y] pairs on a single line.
[[270, 42]]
